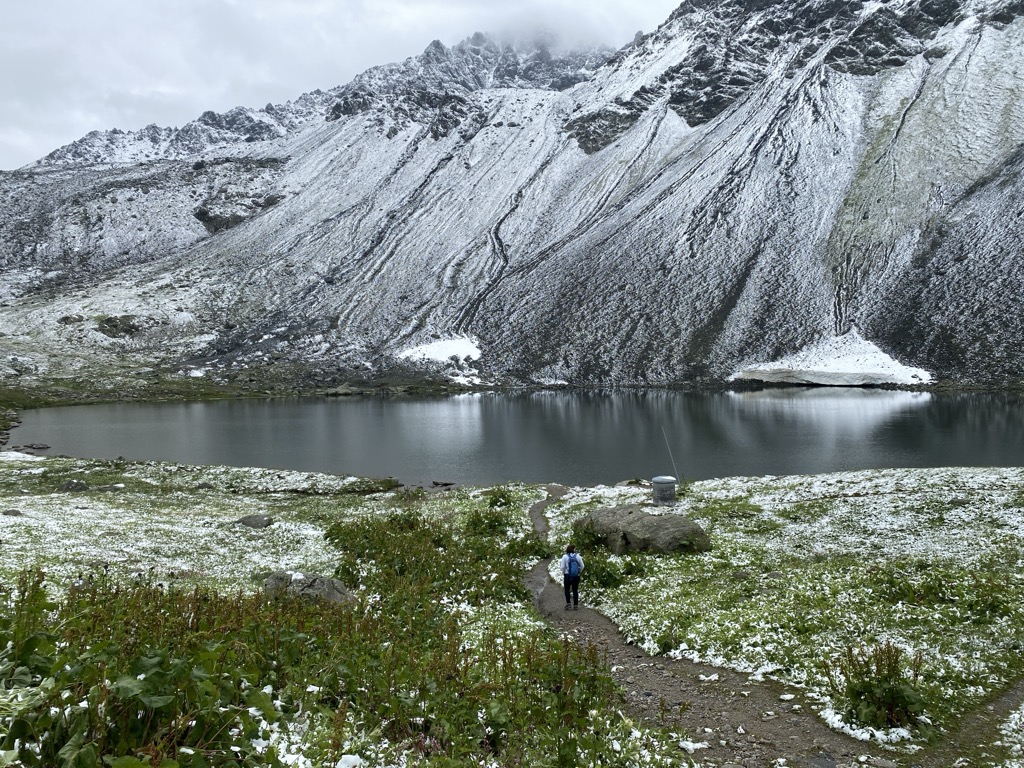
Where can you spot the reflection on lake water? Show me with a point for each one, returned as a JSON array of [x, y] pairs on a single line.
[[570, 437]]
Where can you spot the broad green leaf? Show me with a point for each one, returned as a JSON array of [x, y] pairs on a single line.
[[155, 701], [129, 762], [127, 686]]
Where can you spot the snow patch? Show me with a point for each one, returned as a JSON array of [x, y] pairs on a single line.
[[849, 360], [443, 350]]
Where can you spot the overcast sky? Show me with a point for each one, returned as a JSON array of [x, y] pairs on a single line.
[[68, 67]]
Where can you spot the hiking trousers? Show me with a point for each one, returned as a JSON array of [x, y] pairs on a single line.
[[572, 589]]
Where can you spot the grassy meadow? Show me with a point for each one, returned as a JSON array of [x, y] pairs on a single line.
[[133, 630]]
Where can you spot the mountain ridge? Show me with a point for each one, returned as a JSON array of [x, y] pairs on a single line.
[[749, 179]]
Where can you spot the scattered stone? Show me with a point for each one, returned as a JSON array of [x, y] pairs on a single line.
[[631, 529], [256, 521], [308, 586], [343, 391], [12, 513], [204, 486], [822, 760], [74, 485], [119, 326]]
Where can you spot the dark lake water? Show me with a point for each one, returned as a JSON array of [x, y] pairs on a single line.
[[576, 438]]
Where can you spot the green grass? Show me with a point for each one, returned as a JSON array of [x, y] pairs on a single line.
[[439, 659]]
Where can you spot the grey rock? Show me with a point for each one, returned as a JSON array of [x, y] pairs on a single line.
[[308, 586], [822, 760], [74, 485], [12, 513], [256, 521], [631, 529]]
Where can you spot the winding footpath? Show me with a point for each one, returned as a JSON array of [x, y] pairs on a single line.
[[729, 720]]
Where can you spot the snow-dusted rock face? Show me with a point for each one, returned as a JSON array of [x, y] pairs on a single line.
[[750, 180]]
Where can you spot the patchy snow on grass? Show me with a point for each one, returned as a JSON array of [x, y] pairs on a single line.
[[173, 521], [802, 567], [841, 361], [1011, 739]]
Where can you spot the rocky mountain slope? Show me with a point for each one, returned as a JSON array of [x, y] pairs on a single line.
[[751, 179]]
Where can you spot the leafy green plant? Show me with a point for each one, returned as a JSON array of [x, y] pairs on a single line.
[[499, 497], [603, 570], [492, 521], [878, 685]]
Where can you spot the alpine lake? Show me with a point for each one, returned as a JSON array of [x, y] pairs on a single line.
[[577, 438]]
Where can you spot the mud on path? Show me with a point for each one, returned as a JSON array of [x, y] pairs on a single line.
[[744, 723]]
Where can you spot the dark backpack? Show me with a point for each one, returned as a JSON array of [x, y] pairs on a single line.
[[574, 565]]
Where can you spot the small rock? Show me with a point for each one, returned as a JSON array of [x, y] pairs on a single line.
[[12, 513], [256, 521], [309, 586], [204, 486], [74, 485]]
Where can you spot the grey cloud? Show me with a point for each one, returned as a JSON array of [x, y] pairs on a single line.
[[74, 67]]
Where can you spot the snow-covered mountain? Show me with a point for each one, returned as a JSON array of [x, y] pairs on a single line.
[[751, 180]]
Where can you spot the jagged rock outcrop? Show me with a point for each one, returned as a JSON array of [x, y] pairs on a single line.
[[748, 181]]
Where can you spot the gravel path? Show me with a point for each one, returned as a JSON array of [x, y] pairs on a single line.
[[744, 723]]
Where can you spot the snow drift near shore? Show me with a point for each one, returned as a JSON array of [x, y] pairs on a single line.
[[849, 360]]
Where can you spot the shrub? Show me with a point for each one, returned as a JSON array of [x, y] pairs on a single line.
[[878, 687], [499, 497], [603, 569]]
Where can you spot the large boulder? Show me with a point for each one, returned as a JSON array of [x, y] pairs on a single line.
[[632, 529], [306, 585]]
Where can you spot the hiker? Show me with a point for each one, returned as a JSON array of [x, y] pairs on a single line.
[[572, 567]]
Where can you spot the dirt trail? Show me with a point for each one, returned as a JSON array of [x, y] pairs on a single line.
[[744, 723]]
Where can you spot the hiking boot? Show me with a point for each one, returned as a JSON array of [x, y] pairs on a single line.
[[576, 607], [567, 606]]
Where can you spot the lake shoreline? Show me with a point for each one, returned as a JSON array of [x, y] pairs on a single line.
[[14, 400], [579, 437]]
